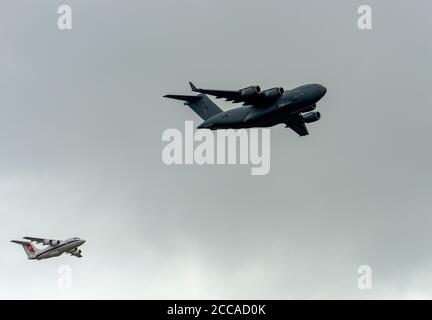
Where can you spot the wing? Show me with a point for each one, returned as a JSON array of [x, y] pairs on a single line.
[[297, 124], [229, 95], [76, 253], [247, 95], [37, 240]]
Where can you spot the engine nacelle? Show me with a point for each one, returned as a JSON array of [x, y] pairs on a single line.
[[311, 117], [51, 242], [273, 93], [250, 92], [79, 251]]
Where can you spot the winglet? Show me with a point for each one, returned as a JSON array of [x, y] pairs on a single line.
[[192, 86]]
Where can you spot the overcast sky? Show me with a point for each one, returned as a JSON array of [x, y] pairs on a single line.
[[81, 121]]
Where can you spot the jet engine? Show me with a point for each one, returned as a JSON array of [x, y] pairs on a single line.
[[311, 117], [51, 242], [273, 93], [250, 92]]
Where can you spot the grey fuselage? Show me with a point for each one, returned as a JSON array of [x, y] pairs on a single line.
[[58, 249], [269, 113]]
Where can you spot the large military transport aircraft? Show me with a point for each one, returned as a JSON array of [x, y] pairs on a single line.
[[53, 248], [265, 108]]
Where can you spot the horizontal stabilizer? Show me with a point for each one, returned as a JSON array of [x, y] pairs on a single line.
[[20, 242]]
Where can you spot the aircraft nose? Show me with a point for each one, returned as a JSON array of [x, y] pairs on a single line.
[[322, 89], [82, 242]]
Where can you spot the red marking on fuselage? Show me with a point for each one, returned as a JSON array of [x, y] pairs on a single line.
[[30, 248]]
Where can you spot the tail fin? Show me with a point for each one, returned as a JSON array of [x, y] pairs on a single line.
[[29, 249], [200, 104]]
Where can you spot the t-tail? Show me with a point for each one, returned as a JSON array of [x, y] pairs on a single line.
[[200, 104], [29, 249]]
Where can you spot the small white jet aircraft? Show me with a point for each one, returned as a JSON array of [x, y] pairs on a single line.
[[54, 247]]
